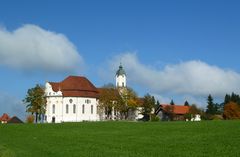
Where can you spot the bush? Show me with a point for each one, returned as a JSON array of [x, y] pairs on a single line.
[[154, 118], [217, 117], [30, 119]]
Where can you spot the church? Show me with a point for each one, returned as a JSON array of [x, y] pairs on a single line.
[[75, 99]]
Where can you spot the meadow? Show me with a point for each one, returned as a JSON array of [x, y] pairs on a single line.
[[121, 139]]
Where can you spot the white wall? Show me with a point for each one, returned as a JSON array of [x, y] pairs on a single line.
[[60, 103], [120, 80]]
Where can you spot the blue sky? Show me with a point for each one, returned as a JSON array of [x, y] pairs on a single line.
[[172, 49]]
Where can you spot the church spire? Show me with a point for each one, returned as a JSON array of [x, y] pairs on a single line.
[[120, 77]]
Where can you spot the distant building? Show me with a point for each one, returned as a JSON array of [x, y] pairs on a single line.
[[5, 119], [168, 112], [14, 120]]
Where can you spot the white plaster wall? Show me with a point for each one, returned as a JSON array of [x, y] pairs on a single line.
[[60, 102], [121, 79], [60, 109]]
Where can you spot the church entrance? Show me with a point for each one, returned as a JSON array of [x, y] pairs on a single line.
[[53, 119]]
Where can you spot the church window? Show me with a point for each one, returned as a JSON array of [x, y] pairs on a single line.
[[70, 100], [53, 109], [67, 108], [87, 101], [91, 109], [74, 108], [123, 84], [83, 108]]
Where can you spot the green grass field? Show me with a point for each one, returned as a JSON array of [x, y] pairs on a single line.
[[125, 139]]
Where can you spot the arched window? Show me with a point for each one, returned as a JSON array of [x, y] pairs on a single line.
[[67, 108], [83, 107], [74, 108], [91, 109], [53, 109], [123, 84]]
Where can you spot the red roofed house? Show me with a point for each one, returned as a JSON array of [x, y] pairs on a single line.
[[71, 100], [4, 118], [174, 112]]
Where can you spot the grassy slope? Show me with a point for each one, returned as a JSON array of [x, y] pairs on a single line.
[[114, 139]]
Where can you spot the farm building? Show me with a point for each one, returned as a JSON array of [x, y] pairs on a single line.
[[175, 112], [6, 119]]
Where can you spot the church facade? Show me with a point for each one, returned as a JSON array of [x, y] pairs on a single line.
[[75, 99], [72, 100]]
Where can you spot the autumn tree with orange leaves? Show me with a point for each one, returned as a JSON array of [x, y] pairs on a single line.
[[231, 111]]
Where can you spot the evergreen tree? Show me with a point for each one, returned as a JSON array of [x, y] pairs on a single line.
[[227, 99], [232, 98], [211, 110]]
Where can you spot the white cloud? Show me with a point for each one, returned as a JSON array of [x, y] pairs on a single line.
[[33, 48], [194, 77]]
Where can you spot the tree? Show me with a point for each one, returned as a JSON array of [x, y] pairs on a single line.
[[148, 105], [36, 102], [232, 98], [186, 103], [193, 111], [172, 103], [231, 111], [107, 100], [211, 107], [126, 102], [108, 85]]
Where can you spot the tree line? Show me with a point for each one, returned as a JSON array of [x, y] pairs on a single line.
[[229, 109]]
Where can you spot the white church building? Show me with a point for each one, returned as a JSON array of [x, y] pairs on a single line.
[[75, 99]]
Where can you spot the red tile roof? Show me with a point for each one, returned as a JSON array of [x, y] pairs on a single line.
[[75, 86], [177, 109], [5, 117]]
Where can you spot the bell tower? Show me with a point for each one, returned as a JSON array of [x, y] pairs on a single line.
[[121, 80]]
